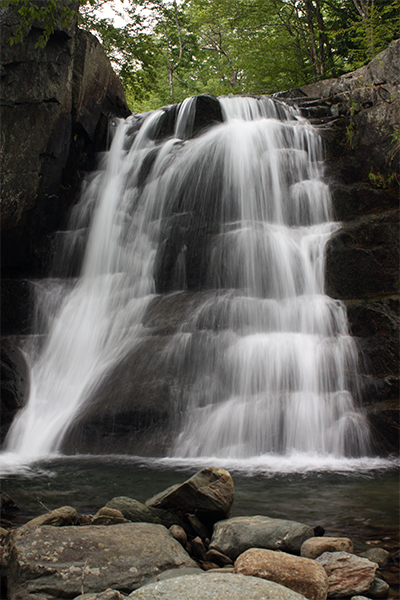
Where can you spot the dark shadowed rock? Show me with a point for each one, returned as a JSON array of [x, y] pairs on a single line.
[[62, 95], [234, 536], [209, 494], [50, 562], [14, 383], [140, 513]]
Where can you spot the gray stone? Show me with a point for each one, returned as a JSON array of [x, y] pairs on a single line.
[[209, 493], [137, 512], [106, 595], [377, 555], [49, 562], [179, 534], [379, 589], [210, 586], [108, 516], [234, 536]]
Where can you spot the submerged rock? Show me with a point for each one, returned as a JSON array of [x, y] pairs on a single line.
[[234, 536], [210, 586], [299, 574], [49, 562]]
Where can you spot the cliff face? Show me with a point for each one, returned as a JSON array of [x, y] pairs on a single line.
[[55, 103], [358, 115]]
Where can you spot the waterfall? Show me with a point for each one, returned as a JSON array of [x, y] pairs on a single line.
[[264, 362]]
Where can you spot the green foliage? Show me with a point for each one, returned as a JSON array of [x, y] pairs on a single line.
[[385, 182], [169, 49]]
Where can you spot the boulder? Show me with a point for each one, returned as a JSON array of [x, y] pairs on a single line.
[[314, 547], [49, 562], [140, 513], [210, 586], [106, 595], [66, 515], [209, 494], [299, 574], [234, 536], [378, 589], [348, 574]]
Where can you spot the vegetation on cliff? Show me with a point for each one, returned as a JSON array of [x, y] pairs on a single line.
[[169, 49]]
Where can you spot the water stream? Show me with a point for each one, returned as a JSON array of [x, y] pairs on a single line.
[[264, 364]]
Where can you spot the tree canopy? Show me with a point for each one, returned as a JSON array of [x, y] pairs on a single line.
[[169, 49]]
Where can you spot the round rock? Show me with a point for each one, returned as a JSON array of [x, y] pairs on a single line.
[[314, 547], [210, 586]]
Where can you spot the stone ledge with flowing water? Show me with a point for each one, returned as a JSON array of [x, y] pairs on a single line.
[[248, 230]]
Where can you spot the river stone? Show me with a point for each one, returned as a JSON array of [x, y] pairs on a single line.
[[234, 536], [106, 595], [49, 562], [377, 555], [347, 574], [210, 586], [108, 516], [66, 515], [379, 589], [314, 547], [209, 493], [135, 511], [299, 574]]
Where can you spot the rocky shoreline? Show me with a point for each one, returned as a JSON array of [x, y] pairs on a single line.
[[181, 543]]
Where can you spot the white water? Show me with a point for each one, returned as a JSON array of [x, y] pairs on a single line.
[[261, 367]]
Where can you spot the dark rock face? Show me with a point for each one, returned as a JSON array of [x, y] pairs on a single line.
[[55, 104], [14, 383], [359, 115]]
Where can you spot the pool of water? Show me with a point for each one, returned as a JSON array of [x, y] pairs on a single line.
[[361, 503]]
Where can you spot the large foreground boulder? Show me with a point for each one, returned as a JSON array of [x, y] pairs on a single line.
[[234, 536], [58, 562], [215, 585]]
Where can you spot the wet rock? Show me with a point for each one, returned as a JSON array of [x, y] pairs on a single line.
[[15, 383], [299, 574], [7, 504], [198, 550], [234, 536], [140, 513], [57, 562], [179, 534], [348, 574], [108, 516], [314, 547], [218, 558], [379, 589], [210, 586], [60, 517], [377, 555], [209, 493]]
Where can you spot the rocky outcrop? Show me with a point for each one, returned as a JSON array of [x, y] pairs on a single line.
[[358, 115], [14, 383], [55, 105]]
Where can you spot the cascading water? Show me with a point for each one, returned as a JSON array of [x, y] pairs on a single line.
[[264, 363]]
